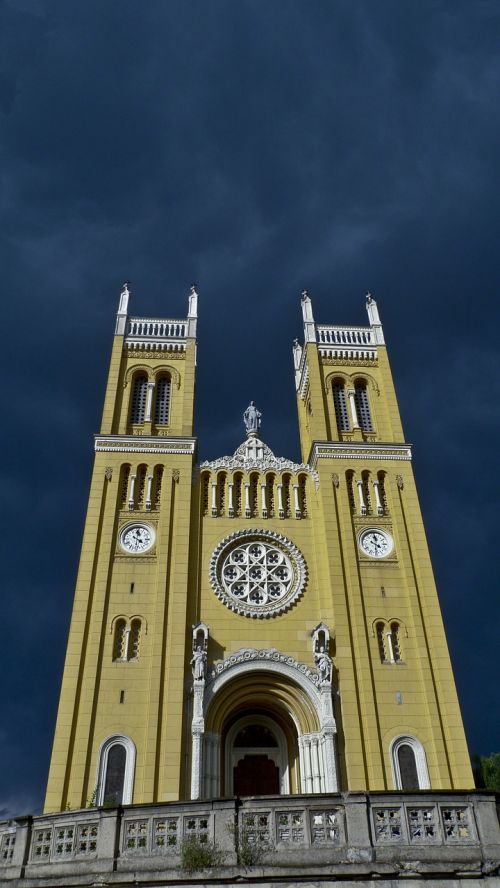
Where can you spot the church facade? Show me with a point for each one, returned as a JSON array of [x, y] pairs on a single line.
[[252, 626]]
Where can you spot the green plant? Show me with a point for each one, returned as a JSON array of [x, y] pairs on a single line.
[[486, 770], [92, 801], [250, 846], [197, 854]]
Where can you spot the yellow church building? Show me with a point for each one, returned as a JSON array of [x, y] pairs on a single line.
[[253, 626]]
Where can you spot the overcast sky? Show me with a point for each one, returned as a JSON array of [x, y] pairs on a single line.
[[254, 148]]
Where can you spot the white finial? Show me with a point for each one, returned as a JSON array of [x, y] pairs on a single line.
[[307, 315], [121, 317], [192, 312], [374, 318]]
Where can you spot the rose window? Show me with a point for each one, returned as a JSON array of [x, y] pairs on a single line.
[[257, 573]]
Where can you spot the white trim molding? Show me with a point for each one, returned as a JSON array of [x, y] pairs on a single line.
[[420, 761], [344, 450], [144, 444], [102, 763]]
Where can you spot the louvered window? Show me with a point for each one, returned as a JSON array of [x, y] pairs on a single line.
[[363, 408], [340, 403], [119, 640], [162, 405], [381, 642], [396, 649], [138, 405]]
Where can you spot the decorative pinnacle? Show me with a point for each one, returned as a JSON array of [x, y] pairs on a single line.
[[369, 296], [305, 294], [193, 288], [126, 285]]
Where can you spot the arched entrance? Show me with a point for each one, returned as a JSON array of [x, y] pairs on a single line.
[[262, 711]]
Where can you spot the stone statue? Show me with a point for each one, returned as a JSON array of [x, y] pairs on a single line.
[[198, 663], [324, 665], [252, 418]]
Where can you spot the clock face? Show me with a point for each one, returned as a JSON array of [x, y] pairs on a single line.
[[376, 543], [137, 538]]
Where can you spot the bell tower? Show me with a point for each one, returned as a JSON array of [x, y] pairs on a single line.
[[131, 592], [399, 708]]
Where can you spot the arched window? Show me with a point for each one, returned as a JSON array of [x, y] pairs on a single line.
[[120, 640], [134, 640], [162, 403], [204, 493], [157, 482], [380, 632], [363, 407], [115, 772], [340, 404], [349, 477], [124, 479], [409, 764], [138, 405], [302, 495]]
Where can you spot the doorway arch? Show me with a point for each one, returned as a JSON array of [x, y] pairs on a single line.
[[256, 743]]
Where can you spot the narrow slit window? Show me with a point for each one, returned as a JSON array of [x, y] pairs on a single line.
[[135, 640], [395, 643], [381, 642], [119, 640]]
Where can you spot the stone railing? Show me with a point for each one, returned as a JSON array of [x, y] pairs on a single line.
[[151, 333], [352, 835], [347, 342]]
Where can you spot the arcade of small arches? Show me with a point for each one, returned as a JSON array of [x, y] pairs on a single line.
[[256, 494], [367, 492], [351, 404], [140, 487]]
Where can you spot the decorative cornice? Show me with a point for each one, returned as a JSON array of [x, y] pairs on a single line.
[[267, 461], [342, 450], [252, 655], [153, 355], [144, 444]]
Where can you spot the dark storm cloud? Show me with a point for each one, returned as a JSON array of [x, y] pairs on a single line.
[[254, 148]]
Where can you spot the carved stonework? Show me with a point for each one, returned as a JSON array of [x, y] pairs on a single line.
[[257, 573], [253, 655], [108, 472], [254, 454], [153, 355], [176, 475], [335, 479], [363, 362], [400, 482]]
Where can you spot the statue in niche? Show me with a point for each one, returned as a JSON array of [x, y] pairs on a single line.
[[198, 663], [252, 418], [324, 666]]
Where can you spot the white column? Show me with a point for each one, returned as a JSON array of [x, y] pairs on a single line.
[[247, 499], [362, 504], [316, 771], [149, 401], [378, 501], [352, 403], [230, 502], [263, 500], [148, 494], [131, 492], [390, 647], [126, 642], [196, 768], [298, 513], [281, 511], [214, 499]]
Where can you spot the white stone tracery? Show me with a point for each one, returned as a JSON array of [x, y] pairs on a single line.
[[257, 573]]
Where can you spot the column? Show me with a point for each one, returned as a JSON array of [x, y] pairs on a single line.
[[230, 500], [247, 499], [214, 499], [362, 504], [298, 513], [148, 494], [316, 771], [281, 511], [263, 500], [352, 403], [131, 493], [378, 501], [149, 401]]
